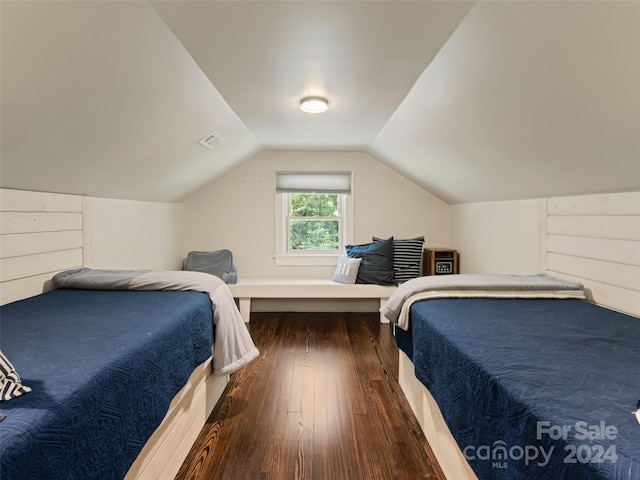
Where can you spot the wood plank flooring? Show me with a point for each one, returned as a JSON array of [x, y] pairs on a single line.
[[321, 402]]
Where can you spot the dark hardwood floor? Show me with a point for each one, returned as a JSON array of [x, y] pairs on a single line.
[[321, 402]]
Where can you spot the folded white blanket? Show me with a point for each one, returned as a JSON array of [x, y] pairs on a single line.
[[233, 346], [396, 310]]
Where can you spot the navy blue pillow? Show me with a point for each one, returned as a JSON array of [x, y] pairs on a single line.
[[407, 257], [377, 262]]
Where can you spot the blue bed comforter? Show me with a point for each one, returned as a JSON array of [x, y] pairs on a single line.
[[104, 367], [538, 388]]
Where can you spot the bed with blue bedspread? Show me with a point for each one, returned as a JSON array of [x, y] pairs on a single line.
[[539, 388], [103, 367]]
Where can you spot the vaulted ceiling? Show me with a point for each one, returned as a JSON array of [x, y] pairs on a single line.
[[473, 101]]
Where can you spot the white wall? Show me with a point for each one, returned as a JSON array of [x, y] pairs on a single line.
[[237, 211], [498, 237], [133, 235]]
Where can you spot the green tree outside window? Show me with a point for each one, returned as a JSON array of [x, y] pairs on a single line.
[[314, 221]]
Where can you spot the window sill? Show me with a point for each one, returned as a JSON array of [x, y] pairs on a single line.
[[306, 260]]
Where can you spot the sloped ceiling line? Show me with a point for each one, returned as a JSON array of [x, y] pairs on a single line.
[[473, 101]]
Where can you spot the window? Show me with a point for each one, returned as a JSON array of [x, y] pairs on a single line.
[[313, 220]]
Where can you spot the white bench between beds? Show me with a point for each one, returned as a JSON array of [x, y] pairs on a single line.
[[249, 288]]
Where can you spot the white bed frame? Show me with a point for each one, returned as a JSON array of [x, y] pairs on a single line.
[[42, 234], [592, 239], [444, 447], [165, 451]]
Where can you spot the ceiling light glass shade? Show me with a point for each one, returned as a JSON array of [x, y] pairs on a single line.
[[314, 104]]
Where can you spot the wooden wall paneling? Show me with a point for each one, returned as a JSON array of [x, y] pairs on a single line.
[[25, 287], [29, 222], [29, 265], [616, 298], [595, 239], [608, 250], [616, 274], [87, 245], [14, 245], [543, 216], [613, 227], [26, 201], [41, 234], [627, 203]]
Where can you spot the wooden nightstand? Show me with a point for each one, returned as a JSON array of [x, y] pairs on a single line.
[[440, 261]]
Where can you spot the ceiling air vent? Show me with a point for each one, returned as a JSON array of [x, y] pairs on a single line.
[[211, 141]]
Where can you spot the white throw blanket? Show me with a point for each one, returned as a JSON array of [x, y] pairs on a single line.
[[233, 346], [396, 310]]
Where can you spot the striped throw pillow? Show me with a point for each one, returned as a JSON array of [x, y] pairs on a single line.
[[407, 257], [10, 383]]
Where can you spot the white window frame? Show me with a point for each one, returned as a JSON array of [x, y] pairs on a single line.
[[284, 256]]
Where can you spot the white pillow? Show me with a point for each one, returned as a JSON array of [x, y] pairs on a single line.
[[347, 270]]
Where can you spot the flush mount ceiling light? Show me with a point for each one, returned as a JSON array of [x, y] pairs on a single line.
[[314, 104]]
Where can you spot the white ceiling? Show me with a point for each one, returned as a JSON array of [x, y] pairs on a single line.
[[473, 101]]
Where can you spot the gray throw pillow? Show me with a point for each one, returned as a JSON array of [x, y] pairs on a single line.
[[347, 270]]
